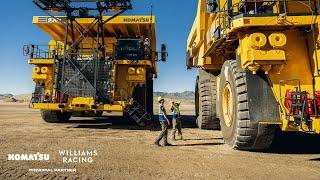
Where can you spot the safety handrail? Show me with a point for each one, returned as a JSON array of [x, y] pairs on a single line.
[[261, 7]]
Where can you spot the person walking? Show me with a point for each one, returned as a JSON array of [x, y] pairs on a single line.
[[176, 120], [164, 121]]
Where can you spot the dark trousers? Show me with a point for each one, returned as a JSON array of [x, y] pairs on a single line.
[[176, 125], [164, 133]]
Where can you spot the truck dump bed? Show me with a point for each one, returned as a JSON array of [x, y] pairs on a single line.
[[120, 26]]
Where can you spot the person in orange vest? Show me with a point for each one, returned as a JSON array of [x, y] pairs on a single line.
[[164, 121]]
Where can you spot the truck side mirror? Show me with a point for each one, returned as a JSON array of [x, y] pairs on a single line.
[[212, 6], [164, 53], [188, 60]]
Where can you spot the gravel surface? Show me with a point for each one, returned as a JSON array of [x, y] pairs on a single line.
[[125, 151]]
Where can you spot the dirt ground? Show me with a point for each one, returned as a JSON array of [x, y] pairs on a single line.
[[125, 151]]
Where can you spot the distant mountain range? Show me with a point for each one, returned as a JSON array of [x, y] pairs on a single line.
[[6, 95], [26, 97], [176, 95], [15, 98], [7, 98]]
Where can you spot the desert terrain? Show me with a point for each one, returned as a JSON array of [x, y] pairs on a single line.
[[126, 151]]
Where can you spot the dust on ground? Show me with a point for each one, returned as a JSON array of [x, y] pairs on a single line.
[[125, 151]]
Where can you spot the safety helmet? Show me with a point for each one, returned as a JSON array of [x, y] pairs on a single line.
[[160, 98]]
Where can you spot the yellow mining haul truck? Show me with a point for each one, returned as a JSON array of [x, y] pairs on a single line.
[[258, 66], [94, 62]]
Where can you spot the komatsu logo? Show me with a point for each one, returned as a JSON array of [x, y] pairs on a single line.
[[29, 157], [139, 20], [52, 20], [49, 20]]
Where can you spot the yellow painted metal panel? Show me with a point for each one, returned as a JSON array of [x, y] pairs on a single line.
[[82, 100], [316, 125], [39, 76], [138, 63], [271, 21], [46, 106], [117, 108], [40, 61], [124, 23], [140, 78], [116, 20], [67, 107], [263, 57]]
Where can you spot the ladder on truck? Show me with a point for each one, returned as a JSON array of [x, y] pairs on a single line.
[[138, 114]]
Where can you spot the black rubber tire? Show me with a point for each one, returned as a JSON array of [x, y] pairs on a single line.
[[205, 99], [55, 116], [243, 133], [196, 97]]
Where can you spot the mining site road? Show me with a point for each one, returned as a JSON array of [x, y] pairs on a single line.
[[126, 151]]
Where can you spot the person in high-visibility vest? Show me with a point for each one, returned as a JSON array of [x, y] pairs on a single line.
[[164, 121], [176, 120]]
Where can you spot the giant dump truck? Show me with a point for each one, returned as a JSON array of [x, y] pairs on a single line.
[[258, 64], [97, 60]]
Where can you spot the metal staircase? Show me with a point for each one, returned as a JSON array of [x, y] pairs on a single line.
[[139, 114]]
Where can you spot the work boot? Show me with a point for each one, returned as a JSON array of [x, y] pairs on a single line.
[[181, 138], [167, 144], [174, 137], [156, 143]]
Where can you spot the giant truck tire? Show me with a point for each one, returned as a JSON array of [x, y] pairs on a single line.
[[242, 100], [196, 97], [205, 100], [55, 116]]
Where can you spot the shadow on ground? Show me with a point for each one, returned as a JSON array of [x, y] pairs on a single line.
[[200, 144], [202, 139], [118, 122], [295, 143], [284, 143], [315, 159]]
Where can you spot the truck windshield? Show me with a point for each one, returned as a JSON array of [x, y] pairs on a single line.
[[131, 49]]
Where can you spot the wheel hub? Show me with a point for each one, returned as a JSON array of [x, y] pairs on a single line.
[[227, 105]]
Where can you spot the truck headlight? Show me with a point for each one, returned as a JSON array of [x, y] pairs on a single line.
[[257, 40], [36, 69], [131, 70], [44, 70], [277, 40], [140, 70]]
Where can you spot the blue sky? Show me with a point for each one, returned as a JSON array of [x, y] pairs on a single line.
[[174, 20]]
